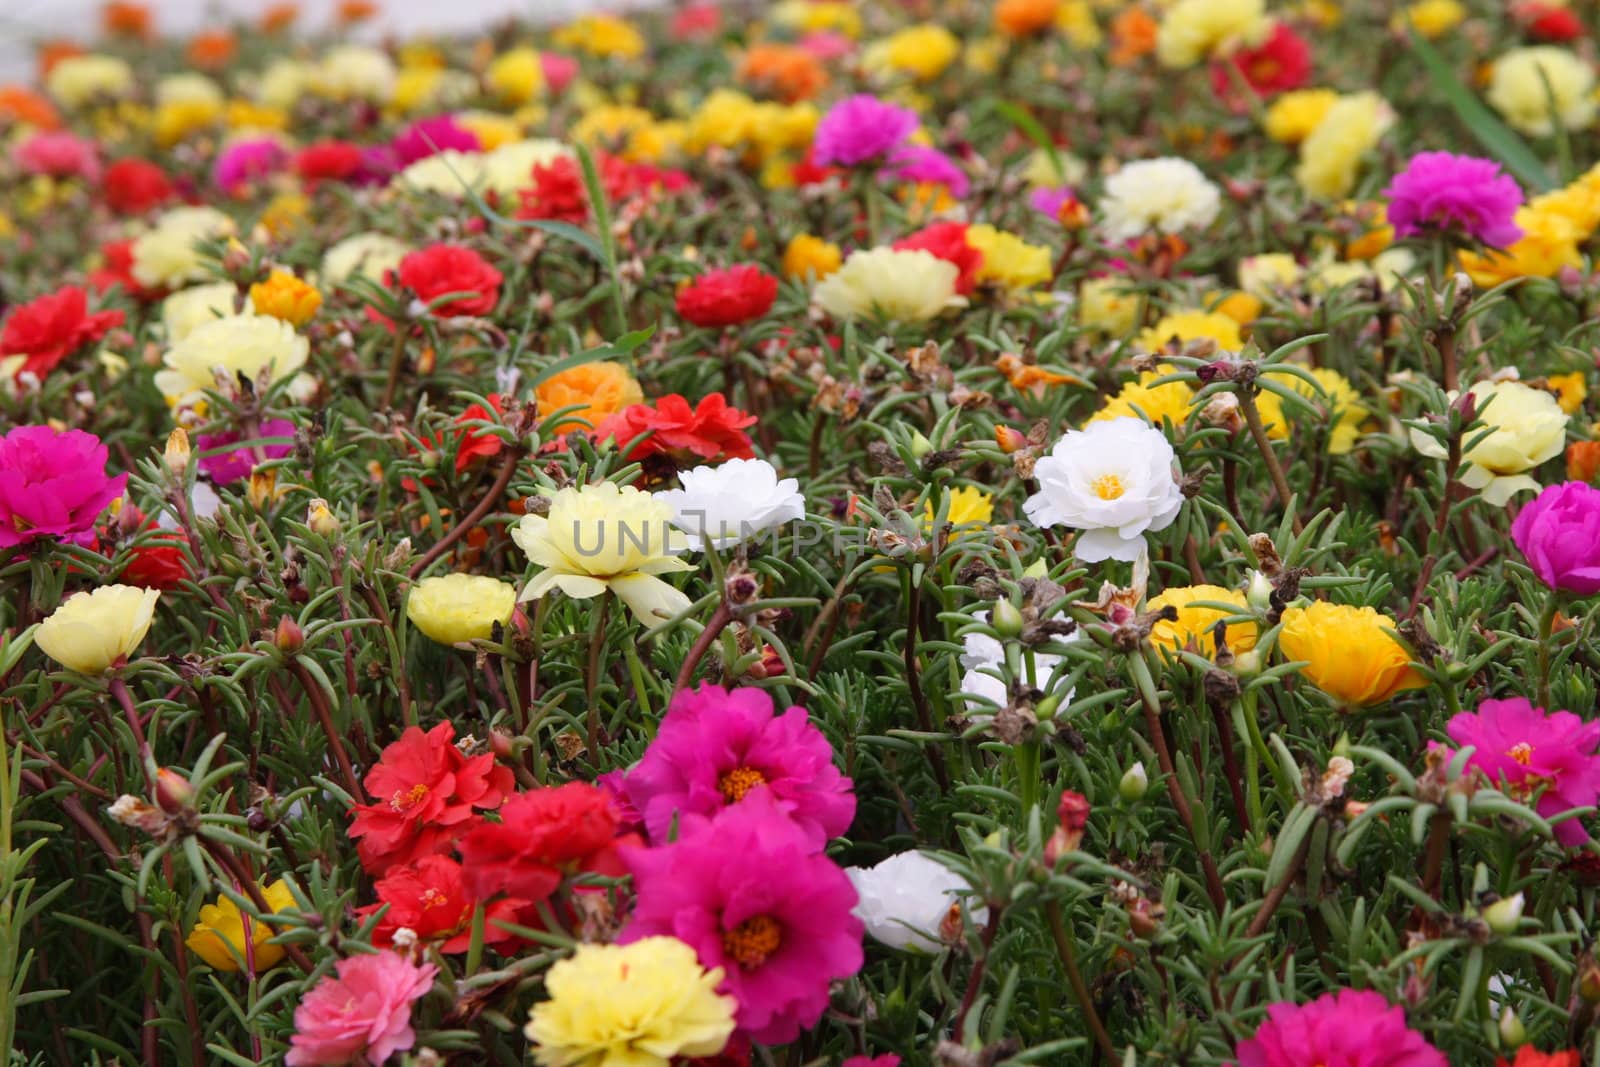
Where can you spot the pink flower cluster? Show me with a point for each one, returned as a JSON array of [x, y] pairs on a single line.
[[1348, 1028]]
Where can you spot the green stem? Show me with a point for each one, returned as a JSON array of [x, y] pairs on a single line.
[[597, 640], [1547, 625]]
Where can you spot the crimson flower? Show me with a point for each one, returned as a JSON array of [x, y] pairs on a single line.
[[430, 899], [1278, 64], [117, 270], [134, 186], [728, 297], [623, 180], [542, 837], [710, 430], [557, 193], [442, 269], [51, 328], [948, 241], [328, 161], [1548, 21]]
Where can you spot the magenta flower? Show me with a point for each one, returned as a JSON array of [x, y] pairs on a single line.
[[1349, 1028], [888, 1059], [919, 163], [1442, 191], [749, 892], [1048, 200], [717, 748], [53, 484], [232, 464], [860, 129], [430, 136], [362, 1014], [58, 155], [1523, 749], [1556, 532], [245, 162]]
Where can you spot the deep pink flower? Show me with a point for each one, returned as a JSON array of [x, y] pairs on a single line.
[[430, 136], [919, 163], [860, 129], [749, 892], [1441, 191], [58, 155], [229, 466], [717, 748], [559, 70], [888, 1059], [53, 484], [245, 162], [1522, 749], [363, 1013], [1349, 1028], [1556, 532]]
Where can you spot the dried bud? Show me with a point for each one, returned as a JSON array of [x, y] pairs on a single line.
[[321, 519], [288, 637], [1144, 918], [176, 454], [741, 587], [139, 814], [1135, 783], [173, 791]]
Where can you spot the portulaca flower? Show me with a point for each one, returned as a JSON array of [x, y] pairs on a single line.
[[905, 899], [983, 659], [1114, 481], [730, 504], [1166, 195]]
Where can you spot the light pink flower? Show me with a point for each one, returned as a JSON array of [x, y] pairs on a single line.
[[363, 1013], [58, 155]]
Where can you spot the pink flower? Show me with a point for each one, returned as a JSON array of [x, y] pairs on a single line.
[[1441, 191], [1556, 534], [888, 1059], [246, 162], [228, 465], [919, 163], [58, 155], [825, 45], [860, 129], [430, 136], [362, 1014], [1523, 749], [749, 892], [1349, 1028], [559, 70], [717, 748], [53, 484]]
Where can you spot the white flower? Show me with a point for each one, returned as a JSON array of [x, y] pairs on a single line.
[[370, 255], [448, 173], [984, 660], [732, 503], [166, 257], [1114, 481], [355, 72], [905, 898], [1167, 194]]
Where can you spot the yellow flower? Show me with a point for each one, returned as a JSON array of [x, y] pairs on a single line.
[[1196, 621], [923, 51], [1155, 404], [1242, 307], [242, 344], [283, 296], [1431, 18], [1528, 427], [602, 35], [1195, 30], [1525, 82], [1009, 262], [517, 76], [968, 507], [589, 392], [1330, 156], [603, 537], [1075, 19], [810, 259], [1190, 324], [218, 936], [80, 80], [636, 1005], [415, 88], [1342, 402], [166, 257], [1571, 390], [284, 82], [457, 608], [187, 309], [1548, 243], [904, 286], [1106, 306], [492, 131], [450, 173], [725, 118], [245, 116], [1578, 203], [1265, 275], [368, 255], [820, 16], [1378, 235], [1349, 654], [1293, 116], [91, 631], [285, 213]]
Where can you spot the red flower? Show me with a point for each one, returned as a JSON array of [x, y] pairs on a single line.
[[474, 446], [425, 791], [728, 296], [557, 193], [327, 161], [1528, 1056], [807, 172], [51, 328], [1278, 64], [134, 186], [435, 271], [736, 1054], [710, 430], [1548, 22], [117, 270], [159, 561], [948, 241], [428, 898], [543, 836], [624, 181]]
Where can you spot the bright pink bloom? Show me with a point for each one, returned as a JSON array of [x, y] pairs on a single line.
[[53, 485], [361, 1014], [1442, 191], [1523, 749], [430, 136], [233, 464], [919, 163], [1278, 64], [559, 70], [1350, 1028], [728, 297], [51, 328], [750, 893], [244, 163], [58, 155], [861, 129], [718, 748], [1556, 532]]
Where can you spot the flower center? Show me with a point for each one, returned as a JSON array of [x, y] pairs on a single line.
[[432, 898], [752, 941], [1522, 752], [1108, 487], [739, 781], [406, 799]]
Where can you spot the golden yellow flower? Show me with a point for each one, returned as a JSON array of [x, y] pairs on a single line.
[[1578, 203], [968, 507], [283, 296], [1431, 18], [1378, 235], [1197, 619], [1106, 306], [516, 76], [820, 16], [810, 259], [725, 118], [1343, 404], [1548, 243], [1348, 653], [1009, 262], [602, 35], [218, 936], [175, 121], [1190, 324], [1571, 390], [1293, 116], [1153, 403], [1075, 19], [492, 131], [592, 390], [245, 116], [456, 608], [923, 51], [89, 632], [1331, 155], [1242, 307]]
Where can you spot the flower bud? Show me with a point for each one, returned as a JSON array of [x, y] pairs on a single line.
[[920, 445], [1247, 663], [1009, 440], [1512, 1032], [263, 488], [1259, 592], [173, 791], [500, 743], [1135, 783], [1589, 983], [176, 454], [1006, 619], [1504, 914], [288, 637], [1341, 747], [321, 518]]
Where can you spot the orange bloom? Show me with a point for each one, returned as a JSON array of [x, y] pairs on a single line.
[[53, 52], [1133, 36], [1029, 377], [783, 71], [1024, 18], [211, 49], [1583, 460], [125, 17], [353, 11], [25, 106], [595, 390], [279, 17]]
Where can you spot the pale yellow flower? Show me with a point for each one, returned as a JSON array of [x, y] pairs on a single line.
[[1526, 82], [1527, 427], [242, 344], [79, 80], [1331, 156], [1196, 30], [188, 308], [90, 632], [900, 285], [166, 256]]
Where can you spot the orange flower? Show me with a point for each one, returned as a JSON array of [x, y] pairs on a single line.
[[354, 11], [211, 49], [1024, 18], [53, 52], [25, 106], [283, 296], [1583, 460], [279, 17], [1029, 377], [594, 390], [1133, 36], [783, 71], [125, 17]]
